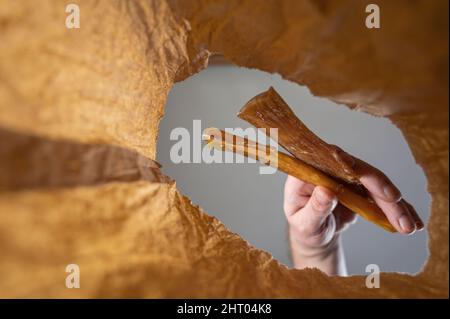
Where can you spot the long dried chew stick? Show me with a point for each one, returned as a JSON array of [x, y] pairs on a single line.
[[290, 165], [268, 110]]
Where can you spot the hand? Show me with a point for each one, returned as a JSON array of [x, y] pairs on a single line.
[[316, 219]]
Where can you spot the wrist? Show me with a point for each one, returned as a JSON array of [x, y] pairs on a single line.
[[302, 248], [328, 257]]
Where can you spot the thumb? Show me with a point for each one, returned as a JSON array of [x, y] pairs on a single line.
[[312, 219]]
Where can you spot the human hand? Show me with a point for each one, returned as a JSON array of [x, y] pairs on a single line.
[[316, 218]]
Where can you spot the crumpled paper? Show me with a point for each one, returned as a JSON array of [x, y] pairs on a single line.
[[79, 115]]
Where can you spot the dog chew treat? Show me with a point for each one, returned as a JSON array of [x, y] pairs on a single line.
[[361, 205], [268, 110]]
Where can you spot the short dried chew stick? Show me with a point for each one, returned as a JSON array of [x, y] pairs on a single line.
[[290, 165], [268, 110]]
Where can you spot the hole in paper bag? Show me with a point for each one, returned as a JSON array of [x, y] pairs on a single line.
[[251, 204]]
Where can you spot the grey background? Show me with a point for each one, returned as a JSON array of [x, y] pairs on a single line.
[[251, 204]]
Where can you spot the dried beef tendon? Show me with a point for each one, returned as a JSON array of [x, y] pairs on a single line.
[[269, 110]]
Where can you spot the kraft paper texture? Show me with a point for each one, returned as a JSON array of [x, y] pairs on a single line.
[[79, 116]]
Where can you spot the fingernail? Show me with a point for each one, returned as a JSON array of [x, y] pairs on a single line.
[[326, 200], [406, 224], [322, 198], [392, 193], [334, 203], [417, 221], [419, 226]]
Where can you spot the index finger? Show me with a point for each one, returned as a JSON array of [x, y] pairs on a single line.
[[387, 196], [376, 182]]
